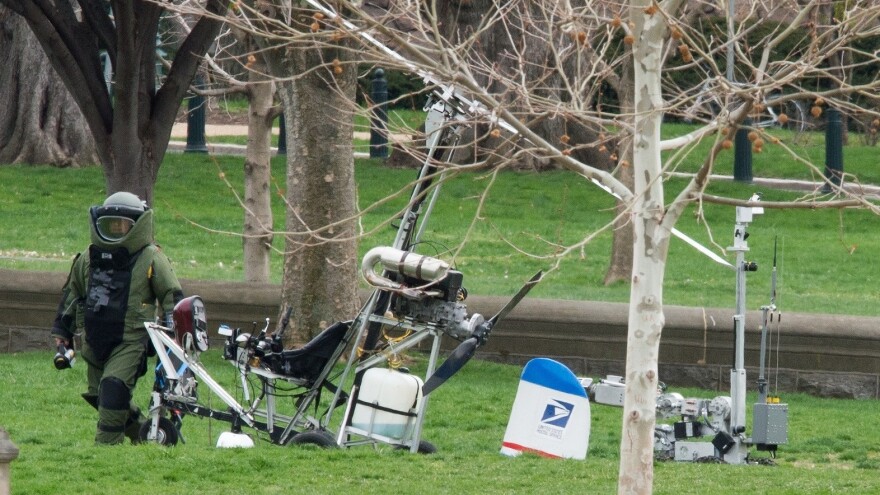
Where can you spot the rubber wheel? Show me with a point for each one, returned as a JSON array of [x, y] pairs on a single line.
[[314, 437], [425, 447], [166, 434]]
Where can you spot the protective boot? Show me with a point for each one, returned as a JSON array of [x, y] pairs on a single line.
[[133, 425]]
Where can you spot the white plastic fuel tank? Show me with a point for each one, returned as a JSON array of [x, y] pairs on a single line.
[[388, 401]]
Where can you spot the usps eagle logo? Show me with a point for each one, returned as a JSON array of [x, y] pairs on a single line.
[[556, 413]]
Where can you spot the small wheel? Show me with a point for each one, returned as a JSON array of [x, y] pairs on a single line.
[[425, 447], [791, 115], [797, 116], [314, 437], [166, 433]]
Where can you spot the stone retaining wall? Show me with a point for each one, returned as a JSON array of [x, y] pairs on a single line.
[[826, 355]]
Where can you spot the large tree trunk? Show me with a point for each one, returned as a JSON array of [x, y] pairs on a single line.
[[39, 121], [320, 265], [257, 240]]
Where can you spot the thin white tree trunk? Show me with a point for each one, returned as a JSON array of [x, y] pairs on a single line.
[[649, 259]]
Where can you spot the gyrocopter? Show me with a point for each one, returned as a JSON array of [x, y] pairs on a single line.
[[416, 297], [383, 404]]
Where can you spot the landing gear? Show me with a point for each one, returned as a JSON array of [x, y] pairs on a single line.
[[166, 432], [314, 437], [425, 447]]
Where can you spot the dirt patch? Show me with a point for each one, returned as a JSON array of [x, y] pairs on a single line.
[[217, 116]]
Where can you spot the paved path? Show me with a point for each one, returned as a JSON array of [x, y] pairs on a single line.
[[179, 130], [179, 133]]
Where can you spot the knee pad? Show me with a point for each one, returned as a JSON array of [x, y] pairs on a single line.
[[113, 394]]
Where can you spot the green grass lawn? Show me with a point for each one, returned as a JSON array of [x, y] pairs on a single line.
[[827, 263], [831, 449], [783, 160], [826, 258]]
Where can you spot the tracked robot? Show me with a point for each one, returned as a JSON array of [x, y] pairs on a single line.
[[715, 429]]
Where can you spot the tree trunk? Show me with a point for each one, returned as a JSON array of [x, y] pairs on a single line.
[[646, 320], [39, 121], [621, 265], [257, 240], [320, 263]]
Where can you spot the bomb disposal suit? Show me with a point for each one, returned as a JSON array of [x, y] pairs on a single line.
[[112, 289]]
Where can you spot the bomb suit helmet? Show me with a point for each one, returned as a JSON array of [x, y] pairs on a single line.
[[115, 219]]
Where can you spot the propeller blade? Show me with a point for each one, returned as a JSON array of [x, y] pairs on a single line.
[[517, 298], [465, 351], [459, 357]]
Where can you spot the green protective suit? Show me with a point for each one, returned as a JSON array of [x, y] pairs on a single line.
[[112, 289]]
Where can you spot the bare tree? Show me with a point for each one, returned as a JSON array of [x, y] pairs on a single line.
[[316, 82], [311, 67], [132, 126], [236, 66], [258, 224]]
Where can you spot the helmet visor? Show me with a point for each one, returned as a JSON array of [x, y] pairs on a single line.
[[113, 228]]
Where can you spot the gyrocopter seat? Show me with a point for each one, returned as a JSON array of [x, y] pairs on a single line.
[[302, 366], [307, 362]]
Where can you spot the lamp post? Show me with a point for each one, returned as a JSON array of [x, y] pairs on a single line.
[[195, 121], [742, 157], [833, 149]]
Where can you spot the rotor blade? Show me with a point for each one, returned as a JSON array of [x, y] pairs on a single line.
[[701, 248], [517, 298], [459, 357]]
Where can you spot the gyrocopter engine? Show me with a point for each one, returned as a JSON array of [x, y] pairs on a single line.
[[430, 290]]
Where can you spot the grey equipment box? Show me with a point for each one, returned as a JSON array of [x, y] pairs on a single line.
[[770, 424]]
